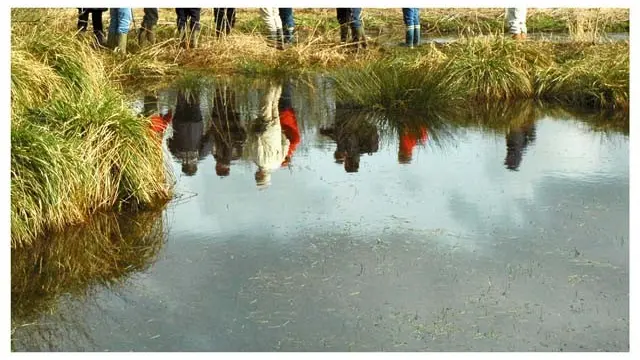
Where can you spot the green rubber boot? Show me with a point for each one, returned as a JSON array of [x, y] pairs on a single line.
[[122, 44], [195, 35]]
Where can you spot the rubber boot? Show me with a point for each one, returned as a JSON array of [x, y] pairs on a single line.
[[122, 43], [195, 35], [271, 38], [100, 38], [182, 36], [151, 36], [409, 33], [289, 35], [142, 37], [416, 35], [279, 39], [359, 39], [112, 40], [344, 33]]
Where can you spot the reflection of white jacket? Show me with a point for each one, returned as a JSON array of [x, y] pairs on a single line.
[[269, 148]]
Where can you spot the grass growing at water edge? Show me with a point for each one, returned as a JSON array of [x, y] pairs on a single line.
[[491, 69], [76, 147]]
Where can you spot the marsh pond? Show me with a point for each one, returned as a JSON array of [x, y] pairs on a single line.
[[335, 229]]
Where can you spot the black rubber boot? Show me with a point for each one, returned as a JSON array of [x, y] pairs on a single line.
[[408, 38], [416, 36], [142, 37], [100, 38], [344, 33]]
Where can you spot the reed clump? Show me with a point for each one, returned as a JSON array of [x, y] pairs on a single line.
[[485, 69], [76, 147]]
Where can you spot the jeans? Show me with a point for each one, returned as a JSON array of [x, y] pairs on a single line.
[[191, 14], [517, 20], [288, 24], [271, 17], [411, 17], [120, 20], [225, 20]]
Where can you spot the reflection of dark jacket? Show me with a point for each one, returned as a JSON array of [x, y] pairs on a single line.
[[356, 137], [188, 125], [518, 139], [226, 129], [353, 134]]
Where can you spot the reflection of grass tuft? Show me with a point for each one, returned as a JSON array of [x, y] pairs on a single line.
[[102, 252]]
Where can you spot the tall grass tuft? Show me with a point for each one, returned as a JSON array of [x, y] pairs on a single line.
[[481, 70], [76, 147], [599, 78]]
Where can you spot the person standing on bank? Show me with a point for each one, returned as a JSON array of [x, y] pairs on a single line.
[[193, 16], [225, 20], [119, 29], [517, 20], [288, 24], [351, 17], [411, 17], [271, 17], [146, 34], [96, 18]]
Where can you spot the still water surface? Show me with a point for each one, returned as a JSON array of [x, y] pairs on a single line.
[[375, 236]]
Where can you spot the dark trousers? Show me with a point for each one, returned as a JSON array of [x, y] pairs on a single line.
[[350, 16], [225, 20], [191, 14], [150, 18], [96, 18]]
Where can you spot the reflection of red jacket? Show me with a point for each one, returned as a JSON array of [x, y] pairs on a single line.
[[409, 139], [289, 125], [159, 123]]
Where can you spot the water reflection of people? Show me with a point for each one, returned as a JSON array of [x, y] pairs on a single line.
[[226, 129], [288, 121], [267, 145], [354, 135], [409, 138], [518, 139], [188, 126]]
